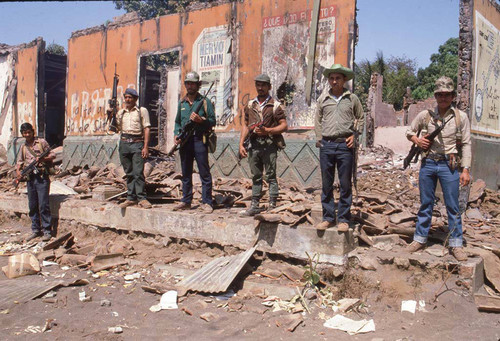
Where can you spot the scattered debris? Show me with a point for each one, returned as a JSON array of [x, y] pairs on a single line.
[[115, 330], [209, 316], [352, 327], [168, 301], [21, 265]]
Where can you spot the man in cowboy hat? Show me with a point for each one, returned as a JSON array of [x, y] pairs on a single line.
[[265, 141], [195, 147], [133, 123], [439, 163], [339, 115]]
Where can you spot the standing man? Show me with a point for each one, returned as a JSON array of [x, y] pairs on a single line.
[[133, 123], [38, 181], [339, 115], [195, 148], [268, 118], [440, 163]]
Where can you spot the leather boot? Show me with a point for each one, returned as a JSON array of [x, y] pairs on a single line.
[[254, 208], [272, 202]]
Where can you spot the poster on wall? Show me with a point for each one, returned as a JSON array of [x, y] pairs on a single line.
[[286, 42], [212, 60], [486, 99]]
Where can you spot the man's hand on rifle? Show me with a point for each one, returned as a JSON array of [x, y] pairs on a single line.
[[350, 141], [262, 131], [177, 140], [421, 142], [196, 118]]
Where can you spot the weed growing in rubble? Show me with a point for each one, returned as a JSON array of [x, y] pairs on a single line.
[[311, 277]]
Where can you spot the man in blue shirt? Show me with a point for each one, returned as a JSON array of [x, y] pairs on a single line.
[[195, 148]]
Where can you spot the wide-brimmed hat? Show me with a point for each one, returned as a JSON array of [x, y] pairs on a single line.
[[339, 68], [192, 77], [444, 84]]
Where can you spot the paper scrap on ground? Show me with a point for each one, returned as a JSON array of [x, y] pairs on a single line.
[[168, 301], [350, 326], [409, 306]]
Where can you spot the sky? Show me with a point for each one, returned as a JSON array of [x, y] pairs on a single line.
[[413, 28]]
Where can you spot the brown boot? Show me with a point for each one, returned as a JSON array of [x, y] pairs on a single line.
[[415, 246], [145, 204], [324, 225], [127, 203], [458, 253], [182, 206], [343, 227]]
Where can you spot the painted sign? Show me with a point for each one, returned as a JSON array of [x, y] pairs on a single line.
[[212, 60], [286, 46], [486, 99]]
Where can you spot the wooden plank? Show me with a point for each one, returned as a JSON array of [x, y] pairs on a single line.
[[487, 303], [311, 56]]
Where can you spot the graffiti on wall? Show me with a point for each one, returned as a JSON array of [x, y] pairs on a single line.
[[486, 99], [88, 110], [286, 45], [26, 112], [212, 60]]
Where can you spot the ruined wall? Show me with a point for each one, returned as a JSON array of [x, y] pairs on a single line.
[[485, 96], [7, 63], [415, 108], [383, 114], [27, 86]]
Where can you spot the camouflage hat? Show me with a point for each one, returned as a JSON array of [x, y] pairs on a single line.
[[339, 68], [444, 84], [131, 92], [192, 77], [263, 78]]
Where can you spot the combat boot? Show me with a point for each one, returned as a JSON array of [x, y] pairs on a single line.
[[254, 208]]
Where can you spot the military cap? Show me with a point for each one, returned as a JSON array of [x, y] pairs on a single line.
[[338, 68], [263, 78], [26, 127], [444, 84], [131, 92], [192, 77]]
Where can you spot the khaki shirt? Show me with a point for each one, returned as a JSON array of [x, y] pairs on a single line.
[[39, 146], [338, 119], [133, 121], [445, 142]]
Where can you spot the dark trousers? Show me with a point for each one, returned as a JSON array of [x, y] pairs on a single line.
[[133, 165], [331, 155], [263, 155], [38, 202], [195, 149]]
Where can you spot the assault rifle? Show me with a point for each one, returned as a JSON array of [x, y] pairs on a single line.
[[247, 141], [355, 162], [415, 150], [188, 129], [113, 104], [31, 168]]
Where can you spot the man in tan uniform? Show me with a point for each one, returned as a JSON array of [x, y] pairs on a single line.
[[440, 163]]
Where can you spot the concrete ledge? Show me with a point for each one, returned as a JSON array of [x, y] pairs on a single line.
[[223, 227]]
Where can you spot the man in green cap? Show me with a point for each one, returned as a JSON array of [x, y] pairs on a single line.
[[440, 162], [265, 120], [339, 115], [195, 147]]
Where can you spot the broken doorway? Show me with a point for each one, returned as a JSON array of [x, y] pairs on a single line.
[[153, 79], [51, 120]]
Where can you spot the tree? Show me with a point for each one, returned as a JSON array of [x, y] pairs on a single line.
[[57, 49], [443, 63], [149, 9]]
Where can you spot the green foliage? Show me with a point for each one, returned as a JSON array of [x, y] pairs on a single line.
[[310, 275], [57, 49], [157, 61], [149, 9]]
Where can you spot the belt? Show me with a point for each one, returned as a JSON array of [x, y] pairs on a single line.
[[334, 139], [132, 139], [436, 157]]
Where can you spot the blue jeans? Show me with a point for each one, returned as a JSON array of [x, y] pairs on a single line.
[[331, 155], [430, 172], [38, 202], [195, 149]]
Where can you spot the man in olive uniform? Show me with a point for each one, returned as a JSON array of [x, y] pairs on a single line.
[[38, 181], [440, 162], [265, 140], [133, 123], [339, 115], [195, 148]]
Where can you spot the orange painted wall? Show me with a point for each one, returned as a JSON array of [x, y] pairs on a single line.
[[91, 58], [27, 71]]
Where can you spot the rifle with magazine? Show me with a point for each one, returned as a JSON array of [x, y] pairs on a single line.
[[31, 168], [188, 129], [415, 150], [113, 104]]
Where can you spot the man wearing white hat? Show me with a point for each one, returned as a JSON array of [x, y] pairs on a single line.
[[339, 115]]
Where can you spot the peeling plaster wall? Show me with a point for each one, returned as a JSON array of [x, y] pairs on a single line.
[[27, 86], [6, 74]]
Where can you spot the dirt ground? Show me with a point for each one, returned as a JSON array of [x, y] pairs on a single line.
[[116, 302]]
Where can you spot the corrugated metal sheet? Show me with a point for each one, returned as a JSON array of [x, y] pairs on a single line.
[[23, 290], [217, 275]]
